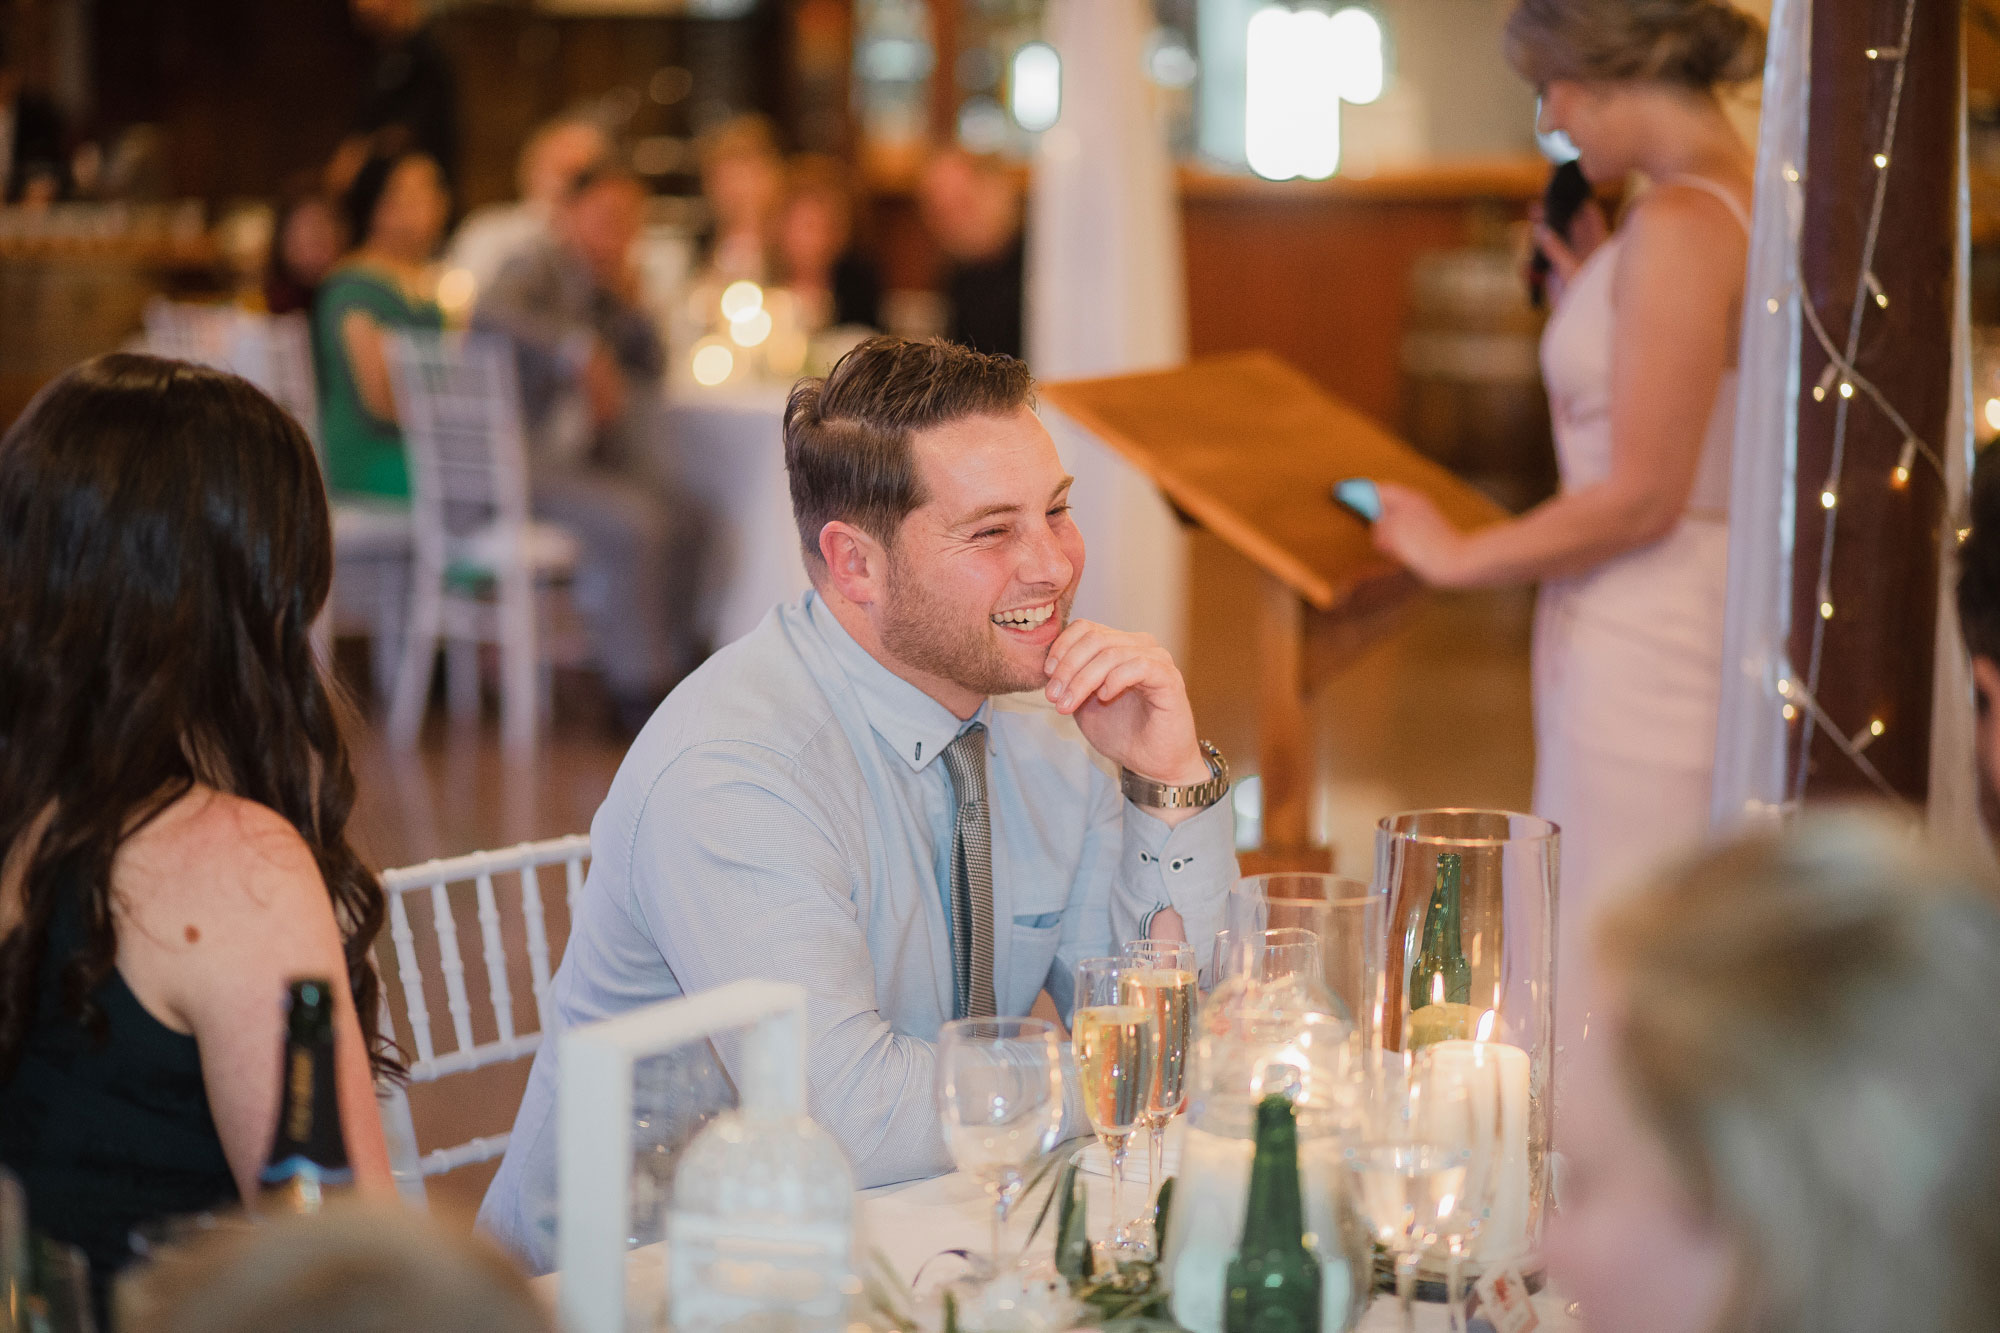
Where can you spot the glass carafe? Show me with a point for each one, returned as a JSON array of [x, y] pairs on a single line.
[[1238, 1058]]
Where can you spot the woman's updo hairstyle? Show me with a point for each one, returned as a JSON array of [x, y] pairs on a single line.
[[1692, 43]]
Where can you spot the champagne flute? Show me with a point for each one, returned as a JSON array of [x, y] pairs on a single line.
[[1115, 1043], [999, 1092], [1410, 1158], [1165, 984]]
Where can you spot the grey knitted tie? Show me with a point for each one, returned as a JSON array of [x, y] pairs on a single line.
[[971, 875]]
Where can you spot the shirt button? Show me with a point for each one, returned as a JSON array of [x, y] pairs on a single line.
[[1177, 863]]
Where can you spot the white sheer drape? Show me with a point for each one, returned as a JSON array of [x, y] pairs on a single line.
[[1750, 738], [1752, 733]]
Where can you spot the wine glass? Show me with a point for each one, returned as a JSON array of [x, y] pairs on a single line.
[[1410, 1155], [1284, 972], [1480, 1118], [999, 1092], [1116, 1041], [1165, 984]]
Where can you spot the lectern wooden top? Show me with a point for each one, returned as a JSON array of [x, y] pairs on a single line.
[[1251, 449]]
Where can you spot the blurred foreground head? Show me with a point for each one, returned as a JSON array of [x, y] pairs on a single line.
[[1790, 1123], [360, 1268]]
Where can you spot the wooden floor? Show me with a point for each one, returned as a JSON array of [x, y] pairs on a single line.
[[1437, 714]]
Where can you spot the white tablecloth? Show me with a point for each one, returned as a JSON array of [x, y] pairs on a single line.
[[729, 454], [909, 1223]]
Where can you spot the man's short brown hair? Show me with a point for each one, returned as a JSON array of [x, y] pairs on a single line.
[[847, 437]]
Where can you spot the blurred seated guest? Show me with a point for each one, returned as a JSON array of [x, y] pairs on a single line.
[[590, 363], [1790, 1128], [174, 795], [354, 1268], [307, 240], [1979, 620], [554, 156], [836, 284], [743, 181], [411, 98], [34, 161], [972, 208], [839, 798], [395, 210]]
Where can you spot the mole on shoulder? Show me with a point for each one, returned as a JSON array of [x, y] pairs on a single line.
[[193, 935]]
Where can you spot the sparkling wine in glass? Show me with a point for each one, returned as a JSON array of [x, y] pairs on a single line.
[[1165, 984], [999, 1092], [1116, 1044]]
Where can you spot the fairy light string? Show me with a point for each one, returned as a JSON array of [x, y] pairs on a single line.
[[1843, 379]]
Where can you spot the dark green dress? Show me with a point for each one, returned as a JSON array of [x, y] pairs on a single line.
[[364, 454]]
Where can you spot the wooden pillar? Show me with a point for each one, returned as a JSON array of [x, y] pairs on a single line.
[[1872, 659]]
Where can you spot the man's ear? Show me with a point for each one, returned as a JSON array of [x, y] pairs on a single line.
[[857, 565]]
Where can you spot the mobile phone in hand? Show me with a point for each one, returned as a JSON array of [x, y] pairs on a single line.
[[1358, 496]]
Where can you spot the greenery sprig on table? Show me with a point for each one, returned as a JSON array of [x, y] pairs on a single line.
[[1127, 1298]]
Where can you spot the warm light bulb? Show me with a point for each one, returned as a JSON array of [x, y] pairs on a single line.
[[1881, 159], [1882, 300], [1819, 393], [1876, 728], [741, 299], [1790, 712], [1846, 389], [1772, 305], [712, 362], [751, 330], [1900, 477], [1993, 413], [1785, 686], [1827, 499], [1874, 53], [1826, 610], [1792, 174]]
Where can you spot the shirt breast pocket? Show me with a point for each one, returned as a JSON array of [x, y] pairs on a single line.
[[1036, 935]]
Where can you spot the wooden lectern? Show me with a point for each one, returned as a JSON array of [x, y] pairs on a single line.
[[1249, 448]]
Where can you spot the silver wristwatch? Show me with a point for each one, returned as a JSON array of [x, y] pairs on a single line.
[[1160, 796]]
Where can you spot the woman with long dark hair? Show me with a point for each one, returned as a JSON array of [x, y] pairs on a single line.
[[174, 796]]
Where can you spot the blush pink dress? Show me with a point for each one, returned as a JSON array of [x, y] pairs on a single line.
[[1628, 656]]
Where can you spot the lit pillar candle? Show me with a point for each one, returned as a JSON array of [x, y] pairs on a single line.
[[1505, 1235]]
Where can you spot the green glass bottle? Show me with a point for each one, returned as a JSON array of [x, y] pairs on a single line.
[[1441, 974], [1272, 1284], [308, 1158]]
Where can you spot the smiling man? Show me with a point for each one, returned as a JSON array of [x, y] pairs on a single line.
[[861, 795]]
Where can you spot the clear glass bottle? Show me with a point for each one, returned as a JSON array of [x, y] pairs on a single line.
[[760, 1233]]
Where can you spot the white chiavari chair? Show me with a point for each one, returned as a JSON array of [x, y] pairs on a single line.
[[481, 562], [469, 1040]]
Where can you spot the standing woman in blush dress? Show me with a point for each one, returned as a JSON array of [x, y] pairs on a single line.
[[1640, 362]]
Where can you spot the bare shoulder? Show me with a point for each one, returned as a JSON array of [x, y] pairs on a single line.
[[1684, 224], [217, 854]]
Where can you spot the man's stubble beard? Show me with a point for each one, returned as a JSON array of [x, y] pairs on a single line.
[[919, 629]]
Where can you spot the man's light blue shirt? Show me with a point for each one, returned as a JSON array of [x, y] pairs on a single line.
[[783, 816]]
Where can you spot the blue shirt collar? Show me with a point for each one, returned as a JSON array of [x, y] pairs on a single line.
[[916, 726]]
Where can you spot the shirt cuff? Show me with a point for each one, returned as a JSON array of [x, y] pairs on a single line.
[[1189, 866]]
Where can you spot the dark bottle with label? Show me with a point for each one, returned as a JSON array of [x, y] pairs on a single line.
[[1441, 974], [1272, 1284], [308, 1160]]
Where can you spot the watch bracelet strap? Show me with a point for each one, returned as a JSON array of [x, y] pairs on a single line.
[[1149, 794]]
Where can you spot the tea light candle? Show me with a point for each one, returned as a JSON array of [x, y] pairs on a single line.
[[1505, 1235]]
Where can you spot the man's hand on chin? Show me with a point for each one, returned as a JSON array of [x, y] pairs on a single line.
[[1130, 702]]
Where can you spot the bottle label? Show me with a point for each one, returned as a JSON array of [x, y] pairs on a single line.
[[1504, 1298], [723, 1271], [298, 1166]]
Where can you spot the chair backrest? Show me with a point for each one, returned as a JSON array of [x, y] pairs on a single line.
[[461, 416], [273, 352], [496, 1035]]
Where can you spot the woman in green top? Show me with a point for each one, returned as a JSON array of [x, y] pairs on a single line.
[[396, 209]]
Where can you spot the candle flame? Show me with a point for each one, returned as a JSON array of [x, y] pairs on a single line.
[[1437, 988], [1486, 1025]]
